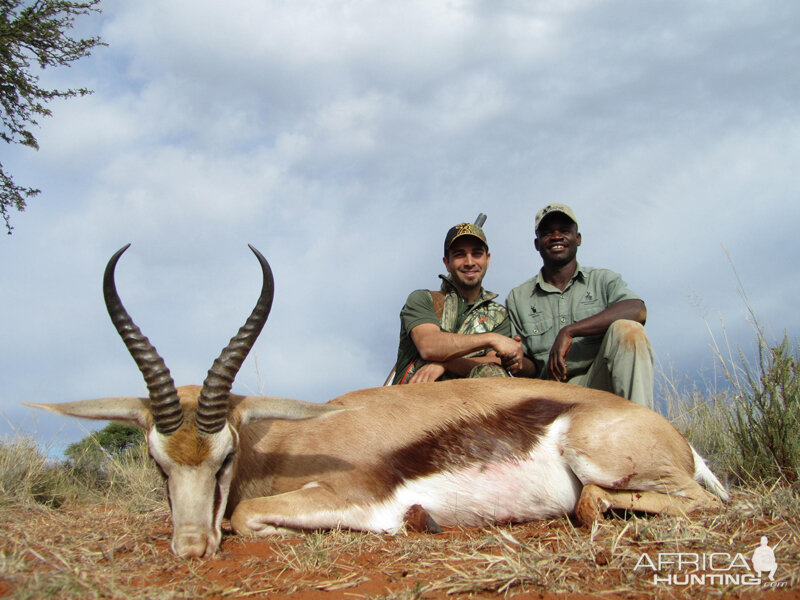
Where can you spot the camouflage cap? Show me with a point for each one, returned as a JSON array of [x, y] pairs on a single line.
[[554, 208], [463, 229]]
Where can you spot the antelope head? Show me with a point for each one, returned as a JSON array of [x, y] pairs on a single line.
[[192, 431]]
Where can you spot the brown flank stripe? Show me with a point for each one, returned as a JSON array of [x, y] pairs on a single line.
[[505, 435]]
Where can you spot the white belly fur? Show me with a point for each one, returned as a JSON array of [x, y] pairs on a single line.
[[538, 486]]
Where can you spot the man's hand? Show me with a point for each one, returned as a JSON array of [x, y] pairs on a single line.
[[557, 363], [429, 372], [510, 354]]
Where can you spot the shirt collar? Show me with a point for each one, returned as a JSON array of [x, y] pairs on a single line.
[[580, 273], [447, 286]]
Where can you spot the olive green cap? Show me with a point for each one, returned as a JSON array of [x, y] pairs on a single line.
[[554, 208]]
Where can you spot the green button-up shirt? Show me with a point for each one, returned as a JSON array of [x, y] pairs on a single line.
[[538, 311]]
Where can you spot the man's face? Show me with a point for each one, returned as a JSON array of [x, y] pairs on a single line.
[[467, 261], [557, 239]]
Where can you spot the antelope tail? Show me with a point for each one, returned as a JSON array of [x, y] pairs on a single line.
[[704, 475]]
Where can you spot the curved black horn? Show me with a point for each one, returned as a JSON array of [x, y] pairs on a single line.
[[212, 408], [164, 403]]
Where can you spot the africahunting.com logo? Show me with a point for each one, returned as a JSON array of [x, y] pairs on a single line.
[[712, 568]]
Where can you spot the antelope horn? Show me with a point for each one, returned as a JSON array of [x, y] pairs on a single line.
[[212, 407], [164, 404]]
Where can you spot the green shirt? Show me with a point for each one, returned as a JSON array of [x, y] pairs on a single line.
[[539, 311], [418, 310]]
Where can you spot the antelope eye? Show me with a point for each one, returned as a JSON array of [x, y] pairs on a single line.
[[228, 460]]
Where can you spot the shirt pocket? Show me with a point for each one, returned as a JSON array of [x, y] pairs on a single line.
[[585, 310], [538, 325], [538, 335]]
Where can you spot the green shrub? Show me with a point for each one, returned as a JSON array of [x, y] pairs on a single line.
[[113, 463], [114, 438], [765, 422], [749, 433], [90, 458]]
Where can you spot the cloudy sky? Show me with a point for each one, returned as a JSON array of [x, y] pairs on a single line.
[[343, 139]]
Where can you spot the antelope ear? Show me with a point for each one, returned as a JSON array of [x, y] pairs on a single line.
[[258, 408], [133, 411]]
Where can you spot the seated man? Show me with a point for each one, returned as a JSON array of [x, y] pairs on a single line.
[[459, 331], [580, 324]]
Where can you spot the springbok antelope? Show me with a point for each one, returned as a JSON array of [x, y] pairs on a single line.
[[464, 452]]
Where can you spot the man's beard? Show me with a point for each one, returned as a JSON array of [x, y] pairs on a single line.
[[468, 284]]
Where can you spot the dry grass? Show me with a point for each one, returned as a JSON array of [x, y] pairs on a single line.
[[27, 477], [105, 550]]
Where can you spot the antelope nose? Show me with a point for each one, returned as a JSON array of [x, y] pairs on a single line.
[[193, 545]]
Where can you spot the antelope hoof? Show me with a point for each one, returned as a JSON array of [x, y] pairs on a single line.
[[418, 519], [591, 506]]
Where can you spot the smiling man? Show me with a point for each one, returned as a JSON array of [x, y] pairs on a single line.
[[579, 324], [459, 331]]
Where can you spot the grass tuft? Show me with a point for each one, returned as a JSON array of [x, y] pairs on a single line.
[[28, 477], [766, 418]]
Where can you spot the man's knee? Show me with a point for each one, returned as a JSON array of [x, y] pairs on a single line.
[[629, 335]]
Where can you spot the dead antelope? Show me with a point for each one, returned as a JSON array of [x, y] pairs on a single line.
[[470, 452]]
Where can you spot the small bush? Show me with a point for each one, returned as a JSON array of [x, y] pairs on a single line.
[[749, 432], [766, 418], [90, 458]]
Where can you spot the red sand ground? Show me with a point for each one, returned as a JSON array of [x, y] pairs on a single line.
[[366, 567]]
